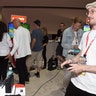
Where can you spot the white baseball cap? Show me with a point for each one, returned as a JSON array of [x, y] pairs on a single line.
[[93, 4]]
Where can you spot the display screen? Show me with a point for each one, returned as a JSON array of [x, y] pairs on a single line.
[[86, 27], [11, 29]]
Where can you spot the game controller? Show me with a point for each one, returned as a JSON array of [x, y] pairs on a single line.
[[66, 65]]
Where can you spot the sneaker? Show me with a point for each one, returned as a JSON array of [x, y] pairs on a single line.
[[37, 75], [27, 81]]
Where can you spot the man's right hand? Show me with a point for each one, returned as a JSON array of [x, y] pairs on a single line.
[[8, 56]]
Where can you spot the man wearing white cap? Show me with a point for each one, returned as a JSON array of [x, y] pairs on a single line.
[[83, 66]]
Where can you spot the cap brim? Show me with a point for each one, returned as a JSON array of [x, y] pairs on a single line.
[[91, 5]]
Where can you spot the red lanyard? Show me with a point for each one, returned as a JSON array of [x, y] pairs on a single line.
[[87, 38], [89, 44]]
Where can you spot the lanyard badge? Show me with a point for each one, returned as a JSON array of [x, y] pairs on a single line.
[[83, 60]]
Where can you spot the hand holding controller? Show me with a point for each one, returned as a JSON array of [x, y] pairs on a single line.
[[66, 64]]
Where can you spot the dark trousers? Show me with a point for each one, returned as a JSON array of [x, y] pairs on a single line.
[[3, 67], [59, 50], [74, 91], [22, 70], [44, 56]]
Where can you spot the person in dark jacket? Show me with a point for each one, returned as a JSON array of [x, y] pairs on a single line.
[[45, 41], [59, 48]]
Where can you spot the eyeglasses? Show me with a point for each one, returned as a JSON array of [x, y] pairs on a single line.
[[91, 12]]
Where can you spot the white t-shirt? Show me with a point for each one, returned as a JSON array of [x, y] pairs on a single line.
[[5, 45], [75, 40], [87, 82], [21, 42]]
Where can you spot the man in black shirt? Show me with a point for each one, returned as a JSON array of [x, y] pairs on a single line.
[[59, 48]]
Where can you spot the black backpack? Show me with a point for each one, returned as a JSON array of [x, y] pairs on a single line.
[[52, 63]]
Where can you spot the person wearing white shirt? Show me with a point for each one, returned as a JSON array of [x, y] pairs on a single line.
[[5, 45], [21, 49], [83, 66]]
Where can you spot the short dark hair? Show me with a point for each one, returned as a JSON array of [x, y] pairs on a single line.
[[37, 22], [62, 23]]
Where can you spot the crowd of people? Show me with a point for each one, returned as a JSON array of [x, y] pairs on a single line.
[[75, 50]]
